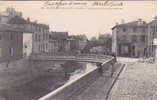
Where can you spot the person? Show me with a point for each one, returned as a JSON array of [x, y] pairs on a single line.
[[100, 69], [114, 55], [112, 69], [112, 64]]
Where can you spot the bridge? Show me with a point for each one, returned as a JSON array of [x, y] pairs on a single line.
[[78, 58], [73, 88]]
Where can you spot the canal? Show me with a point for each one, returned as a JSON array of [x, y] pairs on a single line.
[[49, 81]]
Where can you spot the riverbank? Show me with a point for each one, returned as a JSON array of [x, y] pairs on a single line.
[[51, 77]]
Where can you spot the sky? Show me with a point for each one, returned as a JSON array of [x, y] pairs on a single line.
[[90, 22]]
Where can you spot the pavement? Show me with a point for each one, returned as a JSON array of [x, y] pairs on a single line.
[[138, 81]]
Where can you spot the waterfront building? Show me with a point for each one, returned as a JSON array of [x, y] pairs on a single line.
[[59, 42], [78, 43], [11, 43], [38, 32], [131, 39]]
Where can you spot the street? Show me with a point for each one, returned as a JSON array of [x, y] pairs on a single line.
[[136, 82]]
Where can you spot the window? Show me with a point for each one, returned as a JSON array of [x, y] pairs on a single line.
[[46, 46], [0, 52], [134, 38], [11, 51], [143, 38], [124, 29], [36, 37], [124, 49], [39, 48], [50, 36], [39, 37], [11, 36]]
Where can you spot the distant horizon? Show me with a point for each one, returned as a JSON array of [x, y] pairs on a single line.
[[90, 22]]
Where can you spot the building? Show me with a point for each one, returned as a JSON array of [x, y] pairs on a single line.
[[152, 32], [39, 33], [131, 39], [97, 50], [11, 43], [59, 43], [105, 40], [40, 39], [5, 16], [77, 43]]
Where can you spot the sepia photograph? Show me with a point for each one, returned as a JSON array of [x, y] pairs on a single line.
[[78, 50]]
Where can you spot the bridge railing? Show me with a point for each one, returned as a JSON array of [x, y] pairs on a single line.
[[72, 57]]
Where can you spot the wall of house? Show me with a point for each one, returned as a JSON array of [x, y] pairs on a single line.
[[129, 33], [40, 40], [10, 40]]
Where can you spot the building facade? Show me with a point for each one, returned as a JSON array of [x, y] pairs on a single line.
[[11, 43], [152, 27], [59, 43], [131, 39], [39, 32], [40, 39], [78, 43]]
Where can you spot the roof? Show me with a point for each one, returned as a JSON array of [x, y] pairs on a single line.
[[7, 27], [78, 37], [59, 35], [132, 24]]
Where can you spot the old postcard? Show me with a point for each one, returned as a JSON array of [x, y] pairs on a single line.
[[78, 50]]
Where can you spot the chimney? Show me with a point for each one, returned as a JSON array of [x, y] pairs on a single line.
[[140, 22]]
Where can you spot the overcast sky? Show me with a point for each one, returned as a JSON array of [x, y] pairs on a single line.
[[84, 21]]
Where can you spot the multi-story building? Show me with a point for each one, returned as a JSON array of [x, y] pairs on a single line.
[[40, 39], [130, 39], [152, 33], [39, 32], [78, 43], [11, 43], [59, 42]]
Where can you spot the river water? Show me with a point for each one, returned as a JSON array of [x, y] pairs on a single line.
[[45, 84]]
